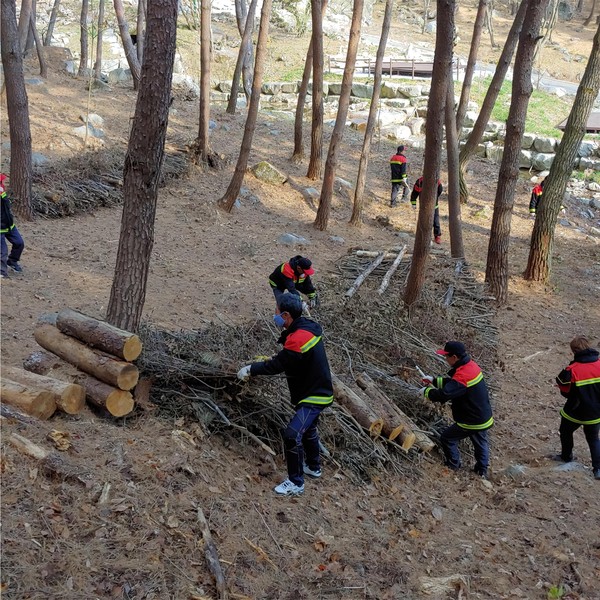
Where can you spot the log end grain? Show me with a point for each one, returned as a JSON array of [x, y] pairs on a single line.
[[128, 377], [376, 427], [132, 348], [396, 432], [119, 403], [72, 400], [408, 441]]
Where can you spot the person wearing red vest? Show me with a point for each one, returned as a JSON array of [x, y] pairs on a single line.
[[294, 277], [579, 383], [536, 196], [399, 176], [416, 192], [466, 390]]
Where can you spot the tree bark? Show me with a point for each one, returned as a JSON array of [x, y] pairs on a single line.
[[17, 108], [468, 150], [40, 50], [69, 397], [489, 16], [363, 162], [591, 15], [246, 39], [98, 63], [363, 413], [496, 274], [99, 334], [457, 249], [228, 200], [246, 49], [34, 401], [83, 36], [130, 52], [465, 91], [24, 18], [143, 164], [202, 144], [433, 147], [118, 373], [316, 137], [542, 236], [322, 218], [52, 22], [140, 30]]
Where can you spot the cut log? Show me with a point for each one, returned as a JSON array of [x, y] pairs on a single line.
[[34, 401], [9, 412], [357, 407], [388, 276], [118, 403], [69, 397], [118, 373], [40, 362], [361, 278], [99, 334], [421, 440]]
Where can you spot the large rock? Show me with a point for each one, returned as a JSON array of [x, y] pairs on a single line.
[[527, 141], [270, 88], [494, 153], [525, 159], [587, 148], [545, 145], [397, 102], [387, 117], [291, 239], [417, 125], [266, 172], [470, 118], [542, 161], [409, 91], [325, 88], [400, 133], [92, 119], [343, 187], [119, 76], [362, 90], [224, 86], [186, 86], [289, 87], [390, 90], [589, 163], [358, 124], [94, 132]]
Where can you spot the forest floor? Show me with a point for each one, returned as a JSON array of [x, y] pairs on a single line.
[[531, 535]]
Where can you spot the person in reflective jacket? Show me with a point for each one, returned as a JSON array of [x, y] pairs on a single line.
[[579, 383], [304, 362], [465, 388], [294, 277], [10, 233]]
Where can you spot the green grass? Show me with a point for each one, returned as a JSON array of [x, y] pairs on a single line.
[[544, 113]]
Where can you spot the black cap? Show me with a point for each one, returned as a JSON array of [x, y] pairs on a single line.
[[291, 303], [303, 263], [453, 349], [400, 149]]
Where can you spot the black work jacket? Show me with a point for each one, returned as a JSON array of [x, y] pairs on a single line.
[[6, 222]]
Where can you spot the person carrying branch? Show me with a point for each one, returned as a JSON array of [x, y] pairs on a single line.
[[304, 362], [10, 233], [416, 192], [294, 277], [466, 390], [399, 176], [579, 383]]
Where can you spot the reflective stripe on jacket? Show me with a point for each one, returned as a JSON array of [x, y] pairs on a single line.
[[398, 167], [285, 278]]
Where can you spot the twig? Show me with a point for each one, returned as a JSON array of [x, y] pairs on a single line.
[[361, 278], [268, 528], [212, 558], [391, 270], [260, 552], [252, 436]]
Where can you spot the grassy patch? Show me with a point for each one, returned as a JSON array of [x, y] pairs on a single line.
[[545, 110]]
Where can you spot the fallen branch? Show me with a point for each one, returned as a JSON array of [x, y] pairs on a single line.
[[361, 278], [392, 270], [211, 555]]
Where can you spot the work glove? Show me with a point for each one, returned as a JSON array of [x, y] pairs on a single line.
[[427, 379], [304, 307], [414, 206], [244, 373], [314, 301], [422, 391]]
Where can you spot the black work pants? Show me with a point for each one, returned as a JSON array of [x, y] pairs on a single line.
[[592, 435]]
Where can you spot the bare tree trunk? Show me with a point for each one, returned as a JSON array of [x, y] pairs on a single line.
[[228, 200], [465, 92], [425, 14], [442, 64], [579, 6], [298, 155], [316, 137], [542, 236], [246, 39], [24, 18], [98, 63], [457, 249], [246, 49], [202, 143], [591, 15], [140, 30], [322, 217], [363, 162], [40, 50], [30, 38], [496, 274], [83, 33], [143, 163], [130, 53], [468, 150], [489, 21], [51, 23], [17, 108]]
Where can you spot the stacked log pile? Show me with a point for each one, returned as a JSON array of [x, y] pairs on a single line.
[[97, 367]]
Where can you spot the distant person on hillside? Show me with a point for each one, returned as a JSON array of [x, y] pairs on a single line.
[[536, 196], [294, 277], [10, 233], [417, 189], [399, 176], [579, 383], [466, 390], [304, 362]]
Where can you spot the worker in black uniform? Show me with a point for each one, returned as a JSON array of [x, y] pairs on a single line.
[[294, 277], [399, 177], [417, 189]]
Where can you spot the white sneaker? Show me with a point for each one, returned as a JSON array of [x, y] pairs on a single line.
[[314, 474], [288, 488]]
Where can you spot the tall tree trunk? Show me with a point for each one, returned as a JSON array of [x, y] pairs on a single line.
[[468, 150], [246, 49], [83, 33], [17, 108], [140, 30], [202, 143], [246, 39], [465, 92], [363, 163], [143, 162], [130, 53], [542, 236], [39, 49], [51, 23], [98, 63], [228, 200], [322, 217], [425, 15], [496, 274], [298, 154], [24, 18], [457, 249], [30, 37], [316, 137], [442, 64], [591, 15], [489, 16]]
